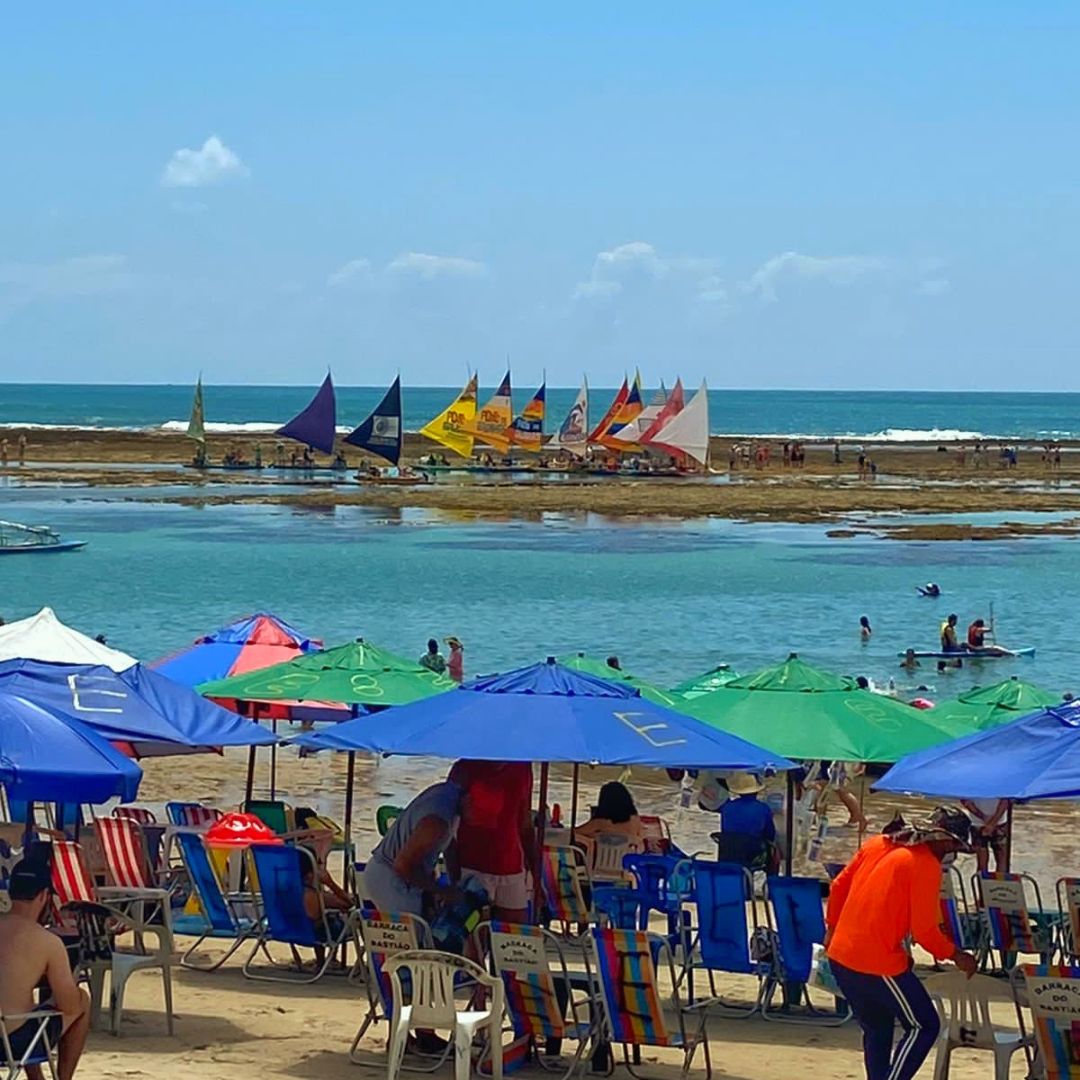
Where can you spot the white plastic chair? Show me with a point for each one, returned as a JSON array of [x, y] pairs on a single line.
[[966, 1024], [432, 978], [606, 857]]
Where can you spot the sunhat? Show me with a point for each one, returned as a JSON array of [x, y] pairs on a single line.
[[454, 643], [943, 823], [743, 783]]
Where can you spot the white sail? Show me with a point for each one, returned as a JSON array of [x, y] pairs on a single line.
[[688, 431], [573, 434], [631, 434]]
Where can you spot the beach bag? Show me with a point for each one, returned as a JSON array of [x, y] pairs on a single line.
[[453, 924], [821, 973]]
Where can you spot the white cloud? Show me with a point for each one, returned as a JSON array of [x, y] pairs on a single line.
[[833, 269], [84, 275], [212, 163], [421, 265], [353, 271], [612, 268]]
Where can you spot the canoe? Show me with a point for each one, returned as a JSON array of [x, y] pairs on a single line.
[[971, 654]]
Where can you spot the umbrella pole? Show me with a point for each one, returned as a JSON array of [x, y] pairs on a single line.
[[249, 787], [1008, 837], [789, 825], [273, 764], [350, 867], [538, 872], [862, 815], [573, 800]]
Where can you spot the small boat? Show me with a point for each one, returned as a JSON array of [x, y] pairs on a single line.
[[973, 654], [16, 539]]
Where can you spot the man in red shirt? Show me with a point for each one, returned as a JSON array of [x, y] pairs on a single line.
[[887, 893], [496, 841]]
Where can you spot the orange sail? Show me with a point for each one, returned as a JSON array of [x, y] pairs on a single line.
[[600, 430], [527, 430], [624, 416]]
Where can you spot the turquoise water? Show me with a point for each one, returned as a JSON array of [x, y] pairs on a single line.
[[671, 598], [895, 415]]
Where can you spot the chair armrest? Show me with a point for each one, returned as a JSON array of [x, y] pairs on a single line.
[[118, 892]]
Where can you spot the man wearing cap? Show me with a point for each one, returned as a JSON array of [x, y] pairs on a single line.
[[29, 954], [887, 893]]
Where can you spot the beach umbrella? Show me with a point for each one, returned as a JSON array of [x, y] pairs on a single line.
[[1034, 757], [991, 706], [44, 637], [600, 668], [249, 644], [49, 756], [705, 683], [356, 673], [148, 713]]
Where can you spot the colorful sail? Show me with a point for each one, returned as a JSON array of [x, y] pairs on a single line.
[[687, 433], [381, 432], [494, 418], [196, 428], [572, 435], [316, 424], [674, 405], [629, 438], [527, 430], [451, 426], [625, 415], [600, 430]]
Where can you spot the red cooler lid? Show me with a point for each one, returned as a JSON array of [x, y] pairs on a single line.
[[240, 830]]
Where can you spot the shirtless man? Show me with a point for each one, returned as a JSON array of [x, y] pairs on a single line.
[[30, 954]]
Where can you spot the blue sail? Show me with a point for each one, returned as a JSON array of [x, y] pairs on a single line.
[[381, 431], [315, 425]]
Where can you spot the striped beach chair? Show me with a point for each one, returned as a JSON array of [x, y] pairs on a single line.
[[127, 865], [959, 922], [1009, 920], [564, 878], [1053, 996], [191, 815], [1068, 898], [626, 968], [138, 814]]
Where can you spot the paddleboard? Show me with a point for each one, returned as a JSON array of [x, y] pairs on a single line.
[[971, 654]]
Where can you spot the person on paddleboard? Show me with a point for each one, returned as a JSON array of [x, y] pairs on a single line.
[[976, 639], [949, 641]]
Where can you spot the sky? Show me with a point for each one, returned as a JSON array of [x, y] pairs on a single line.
[[762, 195]]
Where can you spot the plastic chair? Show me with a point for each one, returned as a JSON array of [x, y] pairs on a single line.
[[432, 978], [279, 871], [385, 816], [39, 1050], [663, 883], [1008, 918], [966, 1023], [1053, 996], [273, 813], [633, 1014], [606, 857]]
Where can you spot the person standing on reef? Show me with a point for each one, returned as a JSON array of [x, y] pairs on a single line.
[[455, 666], [433, 660]]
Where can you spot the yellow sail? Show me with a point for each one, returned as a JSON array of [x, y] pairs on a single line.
[[452, 427], [494, 417]]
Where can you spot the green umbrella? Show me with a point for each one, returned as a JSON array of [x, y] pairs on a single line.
[[591, 666], [353, 674], [988, 707], [705, 683], [798, 711]]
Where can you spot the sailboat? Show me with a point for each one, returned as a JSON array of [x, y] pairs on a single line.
[[527, 430], [493, 419], [572, 435], [600, 430], [686, 434], [624, 415], [196, 429], [628, 440], [451, 426], [381, 432], [316, 424], [676, 402]]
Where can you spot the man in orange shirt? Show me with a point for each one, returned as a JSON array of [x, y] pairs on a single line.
[[887, 893]]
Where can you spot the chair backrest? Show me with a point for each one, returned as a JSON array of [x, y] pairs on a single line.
[[71, 881], [273, 813], [739, 848], [279, 870], [1068, 897], [965, 1007], [124, 849], [662, 881], [385, 817], [384, 935], [138, 814], [1005, 910], [433, 976], [204, 880], [1054, 999], [519, 956], [721, 892], [562, 870], [656, 834], [799, 920], [953, 904], [38, 1049], [191, 815], [606, 856], [629, 989]]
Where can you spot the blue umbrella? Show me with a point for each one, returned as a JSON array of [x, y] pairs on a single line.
[[547, 713], [143, 708], [47, 756], [1035, 757]]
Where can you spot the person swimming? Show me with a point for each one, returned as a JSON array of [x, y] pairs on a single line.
[[910, 661], [864, 628], [931, 589]]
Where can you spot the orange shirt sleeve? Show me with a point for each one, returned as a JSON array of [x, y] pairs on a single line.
[[926, 917]]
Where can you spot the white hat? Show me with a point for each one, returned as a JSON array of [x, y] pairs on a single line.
[[743, 783]]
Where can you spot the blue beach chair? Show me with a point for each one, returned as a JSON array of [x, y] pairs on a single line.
[[220, 917], [662, 883], [279, 871]]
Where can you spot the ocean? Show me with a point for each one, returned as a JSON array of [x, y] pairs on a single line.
[[894, 416]]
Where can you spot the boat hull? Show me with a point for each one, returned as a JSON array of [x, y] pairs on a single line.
[[43, 549], [972, 654]]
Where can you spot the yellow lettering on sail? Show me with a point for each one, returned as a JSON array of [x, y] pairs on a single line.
[[451, 426]]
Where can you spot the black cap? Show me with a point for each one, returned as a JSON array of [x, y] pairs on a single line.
[[29, 879]]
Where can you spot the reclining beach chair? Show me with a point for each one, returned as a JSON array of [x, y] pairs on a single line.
[[383, 936], [279, 872], [39, 1051], [273, 813], [537, 999], [626, 963], [721, 943], [137, 814], [385, 816], [1013, 925], [564, 879], [191, 815], [797, 923], [1052, 993], [962, 924], [221, 915], [1068, 898]]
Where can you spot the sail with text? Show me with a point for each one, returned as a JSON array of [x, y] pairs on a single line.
[[315, 425], [452, 426], [381, 432], [572, 435], [687, 433], [629, 439], [494, 417], [527, 430], [625, 415], [600, 430], [196, 428]]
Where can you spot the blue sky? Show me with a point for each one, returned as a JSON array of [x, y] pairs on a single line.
[[765, 195]]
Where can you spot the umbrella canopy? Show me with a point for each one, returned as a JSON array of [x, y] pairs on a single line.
[[353, 674], [991, 706], [249, 644], [705, 683], [44, 637], [592, 666], [143, 709], [47, 756], [796, 710], [547, 712], [1035, 757]]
